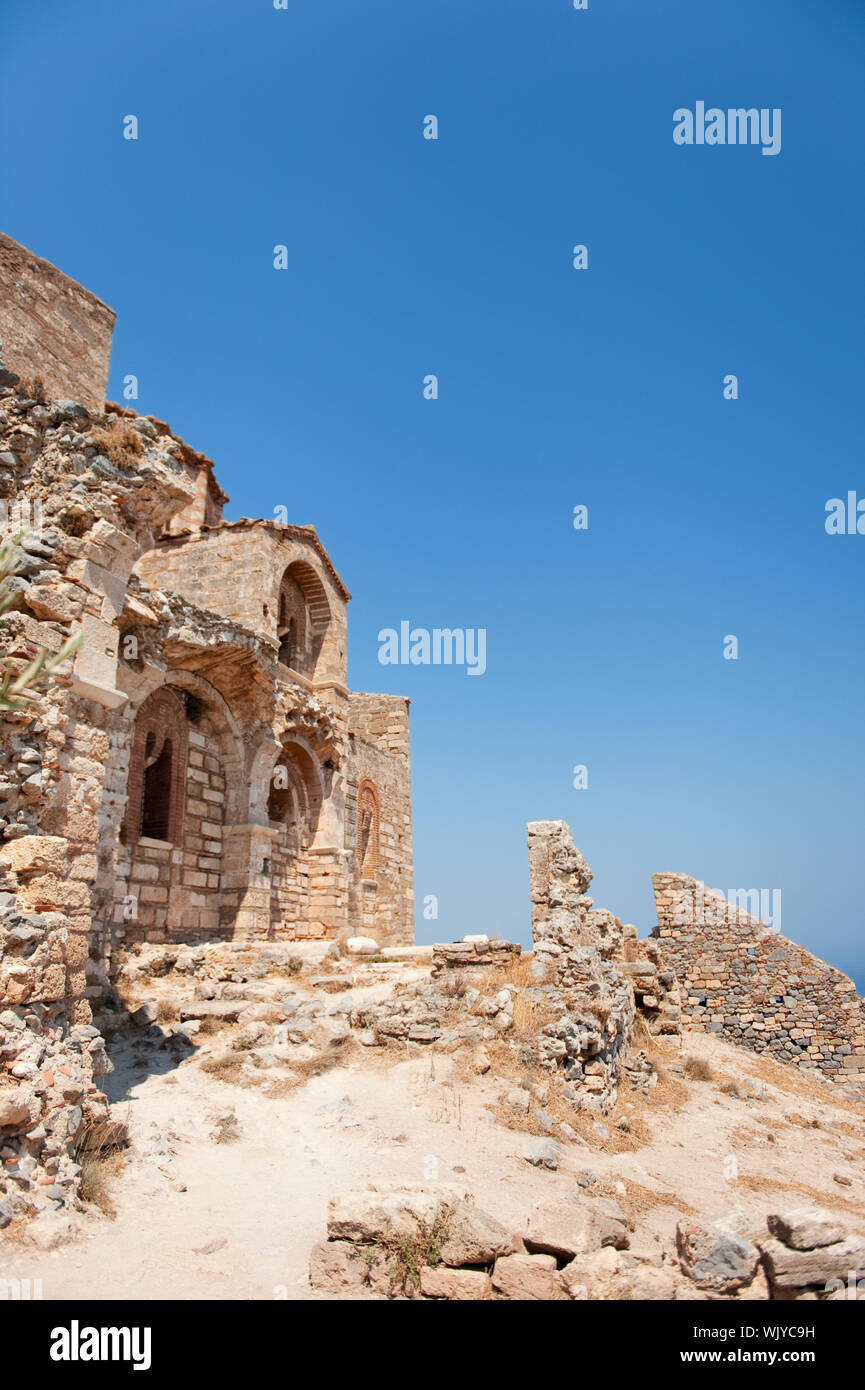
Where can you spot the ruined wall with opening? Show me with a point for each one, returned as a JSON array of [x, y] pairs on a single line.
[[739, 977]]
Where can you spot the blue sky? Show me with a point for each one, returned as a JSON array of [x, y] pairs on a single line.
[[557, 387]]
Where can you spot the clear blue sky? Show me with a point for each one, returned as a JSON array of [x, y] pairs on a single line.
[[557, 387]]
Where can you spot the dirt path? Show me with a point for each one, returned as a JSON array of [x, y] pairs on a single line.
[[201, 1219]]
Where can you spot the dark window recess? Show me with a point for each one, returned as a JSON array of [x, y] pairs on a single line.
[[195, 708], [366, 825], [287, 644], [156, 801]]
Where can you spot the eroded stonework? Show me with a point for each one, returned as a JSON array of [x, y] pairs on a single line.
[[741, 978], [203, 771]]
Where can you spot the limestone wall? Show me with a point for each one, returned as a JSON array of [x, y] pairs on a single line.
[[381, 890], [739, 977], [581, 949], [52, 328]]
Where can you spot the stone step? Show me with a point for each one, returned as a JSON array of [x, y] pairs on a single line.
[[227, 1009]]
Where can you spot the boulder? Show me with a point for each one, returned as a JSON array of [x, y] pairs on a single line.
[[332, 1029], [806, 1228], [15, 1106], [527, 1277], [382, 1211], [361, 946], [473, 1238], [566, 1229], [799, 1269], [543, 1153], [715, 1258], [229, 1010], [342, 1269], [459, 1285], [611, 1274]]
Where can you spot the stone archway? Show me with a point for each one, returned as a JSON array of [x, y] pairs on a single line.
[[185, 792], [294, 807]]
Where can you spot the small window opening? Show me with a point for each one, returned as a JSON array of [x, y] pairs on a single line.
[[156, 801]]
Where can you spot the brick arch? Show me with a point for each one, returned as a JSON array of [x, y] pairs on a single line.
[[299, 800], [159, 735], [310, 583], [231, 743], [368, 822], [303, 617]]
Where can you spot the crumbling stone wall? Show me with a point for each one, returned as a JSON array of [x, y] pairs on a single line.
[[52, 328], [381, 890], [582, 949], [198, 622], [739, 977]]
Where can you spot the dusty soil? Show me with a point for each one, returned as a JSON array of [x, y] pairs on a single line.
[[224, 1188]]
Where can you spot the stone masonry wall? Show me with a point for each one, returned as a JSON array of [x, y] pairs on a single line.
[[582, 949], [235, 569], [52, 328], [739, 977], [384, 902]]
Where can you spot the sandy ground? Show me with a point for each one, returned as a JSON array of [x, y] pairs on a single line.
[[201, 1219]]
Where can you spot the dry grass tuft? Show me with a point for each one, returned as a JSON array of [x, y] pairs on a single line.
[[698, 1069], [227, 1130], [334, 1055], [166, 1011], [757, 1183], [227, 1067], [530, 1016], [120, 444], [211, 1025], [97, 1171]]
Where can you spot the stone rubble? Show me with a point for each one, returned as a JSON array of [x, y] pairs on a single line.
[[433, 1242]]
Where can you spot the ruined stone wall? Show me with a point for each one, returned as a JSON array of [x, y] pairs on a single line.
[[89, 515], [739, 977], [52, 328], [381, 890], [580, 948]]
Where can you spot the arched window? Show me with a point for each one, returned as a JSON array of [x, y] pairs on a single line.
[[367, 829], [294, 798], [304, 617], [157, 770]]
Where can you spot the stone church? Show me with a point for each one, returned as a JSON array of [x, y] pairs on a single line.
[[203, 770]]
